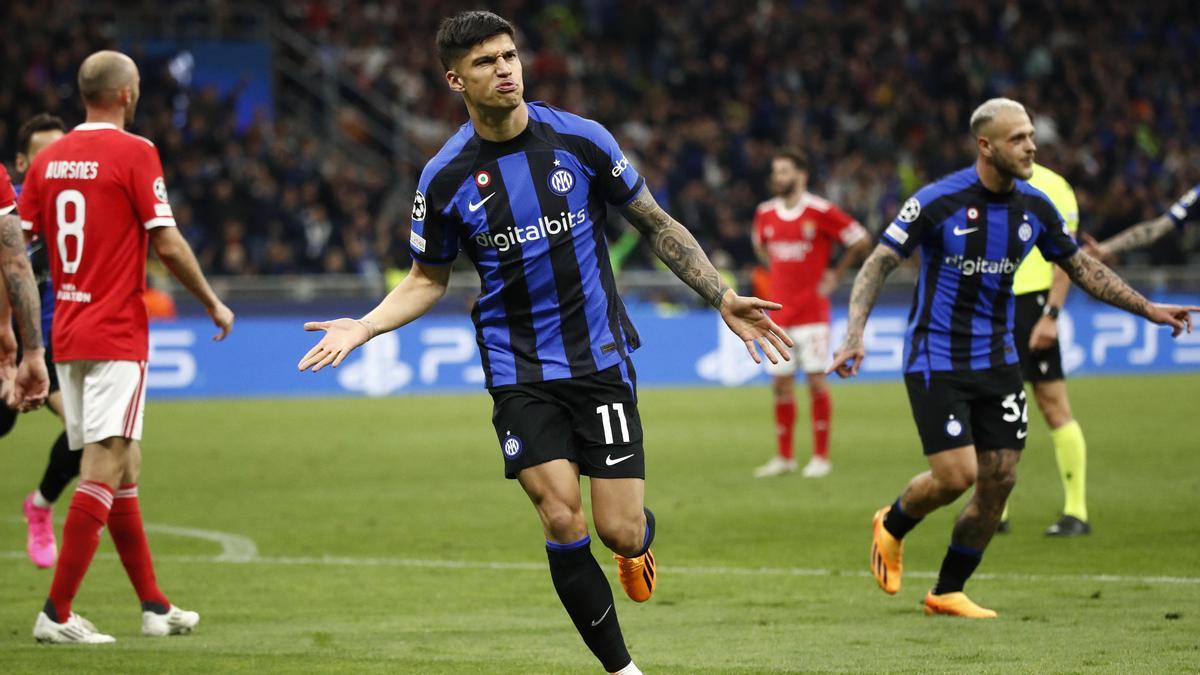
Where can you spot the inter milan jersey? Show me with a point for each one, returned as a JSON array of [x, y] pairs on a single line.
[[971, 241], [529, 213], [39, 260]]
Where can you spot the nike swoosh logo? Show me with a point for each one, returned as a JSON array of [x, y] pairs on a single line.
[[610, 461], [597, 621], [475, 206], [1022, 434], [959, 232]]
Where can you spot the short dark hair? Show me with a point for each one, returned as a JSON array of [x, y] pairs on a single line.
[[795, 155], [459, 33], [39, 122]]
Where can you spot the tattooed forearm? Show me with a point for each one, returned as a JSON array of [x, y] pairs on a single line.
[[1103, 284], [1142, 234], [18, 277], [866, 290], [676, 247]]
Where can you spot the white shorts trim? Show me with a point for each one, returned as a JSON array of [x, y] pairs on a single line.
[[811, 353], [102, 399]]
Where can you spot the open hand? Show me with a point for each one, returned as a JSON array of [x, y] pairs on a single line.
[[747, 318], [342, 336]]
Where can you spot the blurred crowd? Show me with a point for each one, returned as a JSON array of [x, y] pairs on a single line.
[[699, 94]]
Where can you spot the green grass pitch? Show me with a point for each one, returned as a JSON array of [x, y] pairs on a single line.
[[388, 541]]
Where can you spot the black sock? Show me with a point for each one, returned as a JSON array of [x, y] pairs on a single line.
[[958, 566], [899, 523], [588, 599], [649, 533], [61, 470]]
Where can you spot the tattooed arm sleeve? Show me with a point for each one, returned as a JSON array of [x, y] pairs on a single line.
[[1103, 284], [18, 277], [882, 261], [676, 247]]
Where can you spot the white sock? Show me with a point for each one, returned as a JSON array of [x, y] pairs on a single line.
[[40, 501], [629, 670]]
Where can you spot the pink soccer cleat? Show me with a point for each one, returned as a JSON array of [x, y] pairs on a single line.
[[40, 544]]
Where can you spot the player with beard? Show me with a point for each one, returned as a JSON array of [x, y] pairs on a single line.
[[973, 227], [794, 235]]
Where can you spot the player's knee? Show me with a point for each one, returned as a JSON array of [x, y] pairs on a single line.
[[563, 523], [955, 482], [625, 537], [783, 388]]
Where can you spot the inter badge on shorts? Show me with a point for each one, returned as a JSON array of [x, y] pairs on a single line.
[[512, 446], [954, 428]]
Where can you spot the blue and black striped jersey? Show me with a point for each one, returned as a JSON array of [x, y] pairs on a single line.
[[971, 241], [530, 213], [39, 260]]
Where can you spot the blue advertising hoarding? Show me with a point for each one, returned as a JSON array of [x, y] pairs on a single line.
[[693, 348]]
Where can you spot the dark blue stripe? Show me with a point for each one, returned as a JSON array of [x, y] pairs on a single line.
[[595, 299], [966, 550], [587, 539], [494, 336], [945, 292], [982, 324], [539, 274]]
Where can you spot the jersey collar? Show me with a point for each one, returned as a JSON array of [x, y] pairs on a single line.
[[794, 212], [95, 126]]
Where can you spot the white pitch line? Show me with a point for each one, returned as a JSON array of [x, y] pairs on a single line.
[[348, 561], [234, 547]]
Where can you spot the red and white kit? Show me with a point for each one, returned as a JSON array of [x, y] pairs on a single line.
[[799, 243], [93, 196]]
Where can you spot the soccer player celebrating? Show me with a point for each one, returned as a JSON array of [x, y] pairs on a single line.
[[35, 134], [522, 189], [1041, 289], [98, 200], [794, 235], [961, 367]]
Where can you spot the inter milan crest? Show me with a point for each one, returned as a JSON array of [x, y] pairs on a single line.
[[953, 427], [561, 180], [512, 446], [1025, 231], [418, 212]]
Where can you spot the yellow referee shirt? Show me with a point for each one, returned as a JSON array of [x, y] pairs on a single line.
[[1036, 274]]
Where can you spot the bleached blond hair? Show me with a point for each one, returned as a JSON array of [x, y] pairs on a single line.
[[989, 109]]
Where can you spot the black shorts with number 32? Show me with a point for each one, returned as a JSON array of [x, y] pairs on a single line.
[[591, 420], [984, 408]]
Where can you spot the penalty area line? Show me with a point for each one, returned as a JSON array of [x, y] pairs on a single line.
[[420, 563]]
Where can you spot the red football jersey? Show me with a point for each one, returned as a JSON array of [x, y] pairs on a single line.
[[799, 242], [93, 196], [8, 197]]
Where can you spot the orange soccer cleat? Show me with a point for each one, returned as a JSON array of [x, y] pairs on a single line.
[[887, 554], [956, 604], [637, 575]]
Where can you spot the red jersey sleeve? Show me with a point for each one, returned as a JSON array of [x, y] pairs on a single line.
[[841, 226], [29, 207], [149, 190], [756, 230], [8, 196]]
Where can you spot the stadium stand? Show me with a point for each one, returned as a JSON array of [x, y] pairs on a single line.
[[878, 96]]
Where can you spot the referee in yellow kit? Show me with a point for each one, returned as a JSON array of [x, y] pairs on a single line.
[[1041, 288]]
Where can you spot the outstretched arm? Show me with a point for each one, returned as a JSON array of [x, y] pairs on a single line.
[[410, 299], [1102, 283], [1137, 236], [676, 247], [882, 261]]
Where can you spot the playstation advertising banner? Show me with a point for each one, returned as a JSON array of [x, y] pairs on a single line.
[[692, 348]]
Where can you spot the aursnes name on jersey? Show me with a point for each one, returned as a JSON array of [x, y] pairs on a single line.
[[63, 169]]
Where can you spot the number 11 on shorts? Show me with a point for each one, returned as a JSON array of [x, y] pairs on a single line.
[[602, 411]]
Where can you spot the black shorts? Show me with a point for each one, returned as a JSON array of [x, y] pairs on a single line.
[[591, 420], [1043, 366], [984, 408]]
